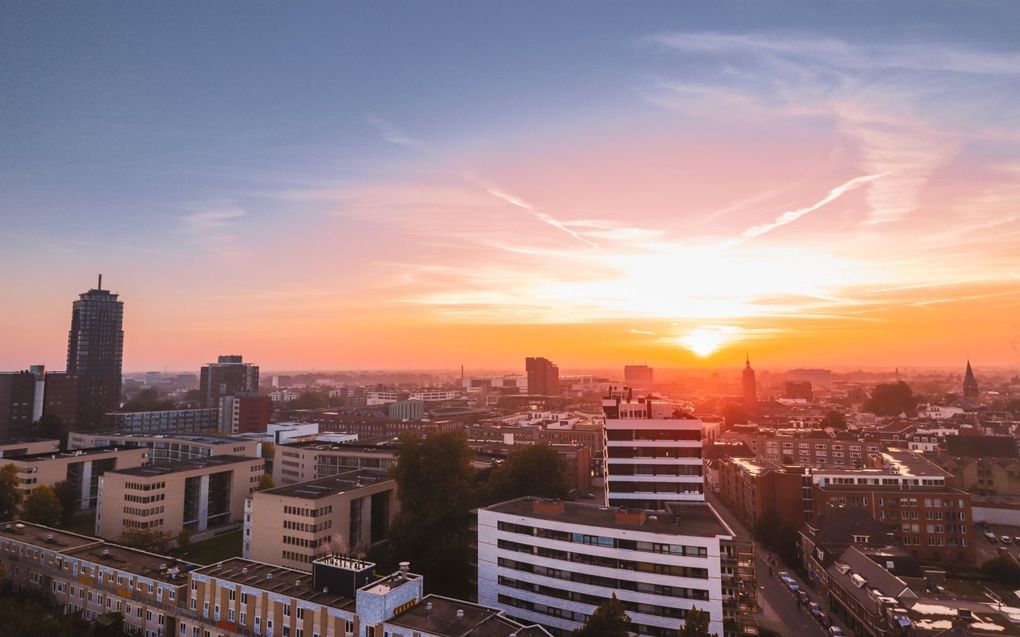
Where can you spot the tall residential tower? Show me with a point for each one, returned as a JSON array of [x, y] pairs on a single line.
[[95, 350]]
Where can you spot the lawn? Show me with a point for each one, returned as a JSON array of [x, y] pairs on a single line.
[[83, 523], [216, 549]]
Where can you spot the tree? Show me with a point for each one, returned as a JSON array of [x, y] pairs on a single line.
[[10, 497], [834, 419], [891, 399], [696, 623], [1003, 570], [42, 507], [70, 500], [434, 480], [184, 539], [148, 400], [535, 470], [265, 482], [734, 414], [151, 540], [608, 620], [310, 400], [778, 535], [48, 426]]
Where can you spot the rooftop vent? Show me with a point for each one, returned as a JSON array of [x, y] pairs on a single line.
[[460, 613], [106, 552]]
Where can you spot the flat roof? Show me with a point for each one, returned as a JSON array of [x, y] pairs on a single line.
[[22, 441], [54, 455], [438, 616], [98, 551], [158, 567], [319, 445], [331, 485], [210, 438], [43, 536], [688, 518], [151, 470], [276, 579]]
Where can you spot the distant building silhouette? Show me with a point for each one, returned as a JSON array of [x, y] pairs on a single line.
[[640, 377], [543, 376], [229, 376], [95, 350], [17, 397], [750, 386], [970, 386]]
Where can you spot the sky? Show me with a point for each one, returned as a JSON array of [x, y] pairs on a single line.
[[378, 185]]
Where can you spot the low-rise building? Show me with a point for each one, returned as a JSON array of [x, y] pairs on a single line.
[[552, 563], [160, 596], [198, 495], [172, 421], [303, 461], [244, 413], [28, 446], [168, 448], [82, 468], [296, 524]]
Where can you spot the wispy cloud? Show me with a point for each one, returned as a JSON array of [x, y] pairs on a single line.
[[790, 216], [538, 214], [391, 133], [206, 222]]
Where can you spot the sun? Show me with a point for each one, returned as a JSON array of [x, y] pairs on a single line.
[[705, 341]]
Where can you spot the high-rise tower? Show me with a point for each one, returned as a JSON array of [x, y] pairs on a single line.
[[228, 376], [95, 349], [970, 386], [750, 386], [543, 376]]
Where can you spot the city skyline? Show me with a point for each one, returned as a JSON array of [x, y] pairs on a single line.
[[670, 186]]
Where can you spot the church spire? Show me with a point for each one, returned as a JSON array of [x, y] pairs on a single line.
[[970, 386]]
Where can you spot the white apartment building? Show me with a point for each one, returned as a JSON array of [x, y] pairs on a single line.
[[552, 563], [652, 454]]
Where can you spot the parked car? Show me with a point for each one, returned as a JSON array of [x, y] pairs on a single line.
[[783, 575], [1016, 540], [824, 620], [835, 631], [792, 585], [991, 538], [815, 609], [1005, 539], [803, 598]]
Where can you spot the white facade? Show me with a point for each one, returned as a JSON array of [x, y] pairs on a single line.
[[653, 454], [554, 569]]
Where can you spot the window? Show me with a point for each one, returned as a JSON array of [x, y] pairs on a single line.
[[300, 613]]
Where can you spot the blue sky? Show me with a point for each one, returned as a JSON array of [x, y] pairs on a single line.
[[190, 150]]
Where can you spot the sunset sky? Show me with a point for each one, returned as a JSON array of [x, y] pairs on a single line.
[[381, 185]]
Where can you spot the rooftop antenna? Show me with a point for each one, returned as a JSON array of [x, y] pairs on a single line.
[[100, 286]]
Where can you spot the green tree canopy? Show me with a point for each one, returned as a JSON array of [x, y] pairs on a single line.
[[10, 497], [1003, 570], [696, 623], [834, 419], [891, 399], [42, 507], [69, 497], [148, 399], [151, 540], [265, 482], [310, 400], [535, 470], [608, 620], [434, 484]]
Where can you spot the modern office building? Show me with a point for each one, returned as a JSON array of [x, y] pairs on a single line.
[[638, 377], [244, 413], [552, 563], [17, 402], [296, 524], [94, 351], [652, 453], [166, 449], [83, 468], [303, 461], [60, 398], [228, 376], [171, 421], [198, 495], [26, 446], [543, 376]]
